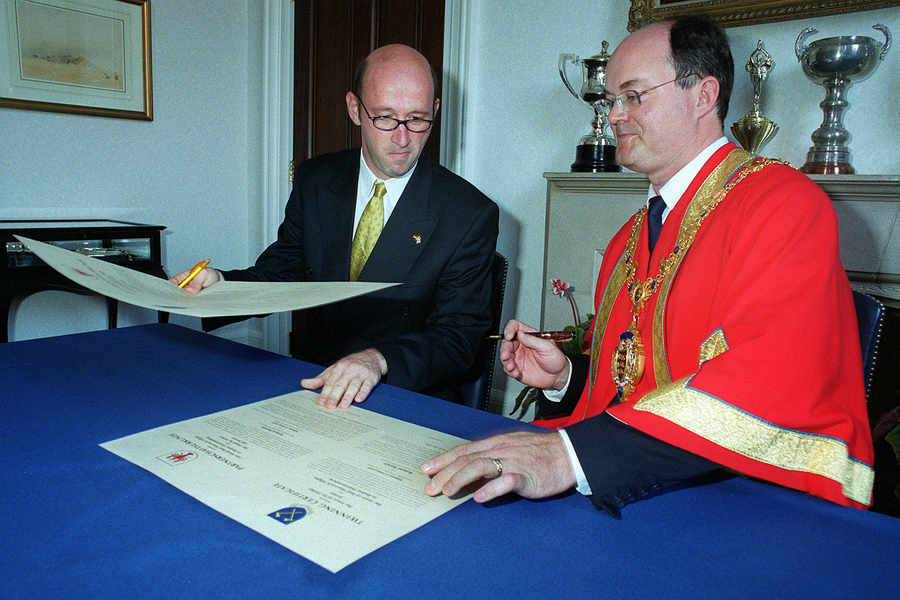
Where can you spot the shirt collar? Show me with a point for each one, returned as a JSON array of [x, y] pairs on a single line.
[[394, 185], [674, 189]]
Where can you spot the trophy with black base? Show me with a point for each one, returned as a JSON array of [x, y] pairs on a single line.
[[596, 151]]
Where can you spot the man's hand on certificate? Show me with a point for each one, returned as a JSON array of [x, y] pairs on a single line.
[[200, 281], [531, 360], [349, 380], [534, 465]]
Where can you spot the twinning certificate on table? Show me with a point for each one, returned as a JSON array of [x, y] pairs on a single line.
[[330, 485]]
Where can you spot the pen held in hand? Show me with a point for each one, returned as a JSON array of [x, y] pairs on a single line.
[[555, 336], [193, 273]]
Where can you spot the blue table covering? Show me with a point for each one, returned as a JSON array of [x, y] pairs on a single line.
[[79, 522]]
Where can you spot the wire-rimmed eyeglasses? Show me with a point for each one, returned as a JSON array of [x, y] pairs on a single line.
[[631, 99], [385, 123]]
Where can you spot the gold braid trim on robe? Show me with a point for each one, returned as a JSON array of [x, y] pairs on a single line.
[[613, 286], [730, 427], [713, 346], [737, 165]]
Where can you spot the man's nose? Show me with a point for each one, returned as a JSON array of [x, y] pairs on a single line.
[[401, 136], [617, 114]]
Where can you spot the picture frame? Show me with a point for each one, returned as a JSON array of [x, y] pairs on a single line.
[[734, 13], [88, 57]]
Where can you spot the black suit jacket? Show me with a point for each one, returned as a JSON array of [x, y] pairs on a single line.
[[438, 242]]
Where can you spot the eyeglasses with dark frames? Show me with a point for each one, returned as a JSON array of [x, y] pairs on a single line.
[[385, 123], [631, 99]]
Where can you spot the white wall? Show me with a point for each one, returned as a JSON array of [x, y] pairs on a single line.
[[190, 169], [520, 121]]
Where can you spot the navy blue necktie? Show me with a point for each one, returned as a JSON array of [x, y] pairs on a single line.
[[654, 219]]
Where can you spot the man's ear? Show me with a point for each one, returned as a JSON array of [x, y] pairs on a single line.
[[352, 107], [707, 95], [437, 105]]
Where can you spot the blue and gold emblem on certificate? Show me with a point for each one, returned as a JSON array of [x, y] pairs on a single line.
[[288, 515]]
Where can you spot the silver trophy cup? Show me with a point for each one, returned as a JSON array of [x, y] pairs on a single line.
[[596, 151], [835, 62]]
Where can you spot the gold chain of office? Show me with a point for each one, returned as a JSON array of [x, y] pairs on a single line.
[[627, 366]]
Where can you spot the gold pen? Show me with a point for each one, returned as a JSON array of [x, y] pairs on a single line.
[[194, 272], [556, 336]]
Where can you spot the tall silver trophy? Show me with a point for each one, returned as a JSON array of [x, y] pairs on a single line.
[[834, 63], [754, 129], [596, 151]]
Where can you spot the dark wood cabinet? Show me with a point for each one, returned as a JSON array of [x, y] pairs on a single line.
[[133, 245]]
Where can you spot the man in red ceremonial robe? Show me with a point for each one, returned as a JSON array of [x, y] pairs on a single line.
[[730, 340]]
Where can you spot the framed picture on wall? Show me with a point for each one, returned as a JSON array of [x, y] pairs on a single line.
[[89, 57], [732, 13]]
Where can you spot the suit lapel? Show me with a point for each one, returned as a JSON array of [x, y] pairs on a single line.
[[407, 232], [336, 205]]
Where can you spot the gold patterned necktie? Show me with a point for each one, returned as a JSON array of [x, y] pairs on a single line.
[[368, 230]]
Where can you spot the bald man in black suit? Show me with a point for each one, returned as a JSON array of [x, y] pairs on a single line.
[[438, 239]]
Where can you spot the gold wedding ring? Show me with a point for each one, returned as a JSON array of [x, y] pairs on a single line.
[[499, 465]]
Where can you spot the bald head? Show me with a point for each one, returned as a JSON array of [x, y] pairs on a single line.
[[394, 85], [390, 60]]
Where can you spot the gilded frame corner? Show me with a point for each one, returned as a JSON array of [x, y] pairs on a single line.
[[734, 13]]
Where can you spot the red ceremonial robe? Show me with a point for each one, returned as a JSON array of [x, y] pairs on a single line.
[[751, 342]]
